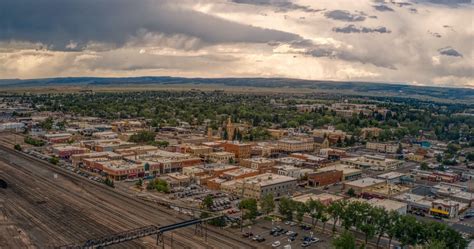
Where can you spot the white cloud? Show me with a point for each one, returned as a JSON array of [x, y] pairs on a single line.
[[222, 38]]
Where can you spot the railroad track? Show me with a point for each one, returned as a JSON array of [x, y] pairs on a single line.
[[181, 239]]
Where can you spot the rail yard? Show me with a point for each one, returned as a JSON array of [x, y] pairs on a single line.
[[46, 207]]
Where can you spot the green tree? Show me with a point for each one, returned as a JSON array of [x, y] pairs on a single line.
[[34, 142], [109, 182], [409, 231], [424, 166], [339, 142], [315, 209], [17, 147], [351, 192], [392, 225], [439, 158], [139, 183], [344, 241], [54, 160], [470, 156], [46, 124], [249, 209], [162, 143], [381, 221], [301, 209], [150, 185], [400, 149], [435, 244], [207, 202], [286, 207], [336, 211], [324, 219], [267, 203], [161, 186], [225, 135], [143, 137]]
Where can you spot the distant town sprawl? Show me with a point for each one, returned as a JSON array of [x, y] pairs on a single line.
[[374, 165]]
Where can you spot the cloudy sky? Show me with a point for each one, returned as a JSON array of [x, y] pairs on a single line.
[[422, 42]]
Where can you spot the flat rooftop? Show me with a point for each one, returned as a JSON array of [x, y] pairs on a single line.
[[320, 197], [365, 182], [391, 175], [346, 170], [389, 205], [267, 179]]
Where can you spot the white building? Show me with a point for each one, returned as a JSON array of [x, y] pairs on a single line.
[[12, 126], [291, 171], [373, 162], [261, 185]]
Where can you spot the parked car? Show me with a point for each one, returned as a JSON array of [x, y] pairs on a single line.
[[258, 238], [305, 227], [247, 234], [276, 244]]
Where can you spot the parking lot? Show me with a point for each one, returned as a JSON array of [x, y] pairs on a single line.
[[263, 228]]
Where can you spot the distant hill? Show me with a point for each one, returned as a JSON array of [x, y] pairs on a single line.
[[361, 88]]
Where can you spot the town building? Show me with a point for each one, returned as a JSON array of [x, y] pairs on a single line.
[[363, 185], [291, 171], [392, 177], [415, 203], [435, 176], [240, 150], [332, 154], [103, 145], [293, 161], [311, 160], [77, 159], [136, 150], [389, 205], [348, 173], [66, 151], [57, 138], [324, 178], [12, 126], [415, 157], [277, 133], [382, 147], [453, 192], [320, 143], [373, 162], [295, 145], [105, 135], [261, 185], [220, 157], [261, 164], [445, 208]]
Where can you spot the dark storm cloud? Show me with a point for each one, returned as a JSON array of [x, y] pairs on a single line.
[[329, 51], [343, 15], [71, 24], [401, 4], [353, 29], [282, 5], [382, 7], [449, 51]]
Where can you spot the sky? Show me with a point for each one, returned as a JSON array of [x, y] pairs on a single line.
[[422, 42]]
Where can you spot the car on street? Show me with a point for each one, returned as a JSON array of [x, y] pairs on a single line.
[[276, 244]]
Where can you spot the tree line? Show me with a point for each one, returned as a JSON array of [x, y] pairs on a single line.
[[371, 221]]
